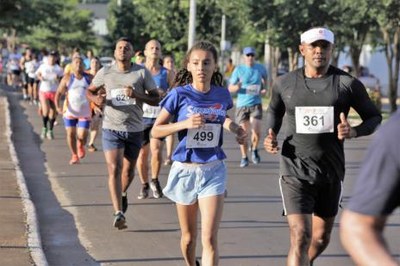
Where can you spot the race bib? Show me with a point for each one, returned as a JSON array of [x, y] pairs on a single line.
[[253, 89], [151, 111], [119, 97], [204, 137], [314, 119]]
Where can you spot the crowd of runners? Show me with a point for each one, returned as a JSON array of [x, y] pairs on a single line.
[[140, 101]]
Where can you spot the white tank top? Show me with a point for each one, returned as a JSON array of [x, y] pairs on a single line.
[[77, 105]]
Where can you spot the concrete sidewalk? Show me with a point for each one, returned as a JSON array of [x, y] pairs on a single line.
[[14, 248]]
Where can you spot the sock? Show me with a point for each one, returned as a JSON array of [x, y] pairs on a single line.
[[52, 120], [45, 121], [124, 194]]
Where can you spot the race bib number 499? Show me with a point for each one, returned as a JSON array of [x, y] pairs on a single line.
[[204, 137], [314, 119]]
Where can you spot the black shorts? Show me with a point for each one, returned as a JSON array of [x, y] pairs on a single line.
[[301, 197], [146, 134], [16, 72], [244, 113]]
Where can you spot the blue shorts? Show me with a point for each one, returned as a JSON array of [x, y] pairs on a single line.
[[189, 182], [131, 142], [77, 122]]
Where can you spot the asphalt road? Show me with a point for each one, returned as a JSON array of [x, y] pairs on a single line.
[[75, 213]]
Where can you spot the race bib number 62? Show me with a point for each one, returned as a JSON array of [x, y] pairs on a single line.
[[314, 119], [119, 97]]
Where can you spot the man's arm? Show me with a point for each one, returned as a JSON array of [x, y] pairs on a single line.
[[362, 237], [92, 93], [370, 115], [61, 90], [151, 98]]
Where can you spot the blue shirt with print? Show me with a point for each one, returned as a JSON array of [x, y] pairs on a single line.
[[182, 102], [248, 76]]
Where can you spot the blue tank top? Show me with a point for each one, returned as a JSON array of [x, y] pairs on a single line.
[[161, 79]]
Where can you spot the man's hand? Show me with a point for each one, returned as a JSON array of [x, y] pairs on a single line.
[[345, 131], [270, 142]]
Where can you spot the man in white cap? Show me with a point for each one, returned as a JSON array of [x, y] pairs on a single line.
[[316, 100], [248, 81]]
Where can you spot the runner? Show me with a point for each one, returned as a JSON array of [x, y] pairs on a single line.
[[375, 198], [76, 111], [197, 179], [248, 81], [127, 87], [161, 76], [25, 59], [30, 69], [97, 113], [316, 100], [49, 74], [169, 63]]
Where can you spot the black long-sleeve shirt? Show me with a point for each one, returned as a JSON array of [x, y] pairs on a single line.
[[318, 157]]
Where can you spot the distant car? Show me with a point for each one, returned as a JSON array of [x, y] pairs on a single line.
[[372, 85], [106, 61]]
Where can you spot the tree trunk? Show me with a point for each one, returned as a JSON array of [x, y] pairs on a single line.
[[393, 60], [293, 58], [355, 52]]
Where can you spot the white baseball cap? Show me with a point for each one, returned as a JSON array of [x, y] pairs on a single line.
[[316, 34]]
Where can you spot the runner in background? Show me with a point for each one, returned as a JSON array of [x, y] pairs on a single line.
[[127, 87], [76, 111], [49, 74], [249, 81], [97, 112], [169, 63], [152, 146]]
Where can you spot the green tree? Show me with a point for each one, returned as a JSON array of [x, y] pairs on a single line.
[[60, 24], [387, 13], [125, 20]]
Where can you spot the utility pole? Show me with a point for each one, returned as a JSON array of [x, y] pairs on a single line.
[[223, 43], [192, 23]]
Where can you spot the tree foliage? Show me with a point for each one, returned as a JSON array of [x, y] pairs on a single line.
[[52, 24], [125, 21]]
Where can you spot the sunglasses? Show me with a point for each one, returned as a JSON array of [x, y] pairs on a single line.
[[250, 55]]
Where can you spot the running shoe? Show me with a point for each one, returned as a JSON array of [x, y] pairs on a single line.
[[92, 148], [255, 157], [144, 191], [124, 203], [119, 221], [50, 134], [44, 133], [156, 188], [74, 159], [197, 263], [81, 150], [244, 162]]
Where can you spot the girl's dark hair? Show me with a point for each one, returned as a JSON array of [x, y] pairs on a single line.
[[184, 77]]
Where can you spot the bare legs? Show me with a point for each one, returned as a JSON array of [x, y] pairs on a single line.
[[309, 237], [211, 212]]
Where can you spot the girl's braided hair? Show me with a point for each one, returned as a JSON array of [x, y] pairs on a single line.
[[184, 77]]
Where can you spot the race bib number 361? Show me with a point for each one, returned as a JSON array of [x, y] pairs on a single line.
[[205, 137], [314, 119]]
